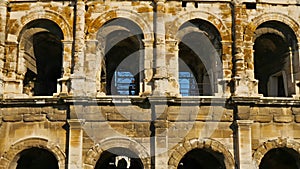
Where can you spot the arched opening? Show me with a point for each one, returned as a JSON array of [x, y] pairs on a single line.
[[42, 50], [275, 50], [122, 63], [200, 52], [280, 158], [202, 159], [116, 158], [37, 158]]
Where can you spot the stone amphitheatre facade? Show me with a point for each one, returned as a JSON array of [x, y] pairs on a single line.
[[215, 84]]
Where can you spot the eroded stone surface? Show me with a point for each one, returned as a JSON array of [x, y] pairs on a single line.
[[84, 115]]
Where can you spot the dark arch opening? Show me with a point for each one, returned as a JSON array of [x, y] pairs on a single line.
[[123, 58], [202, 159], [37, 158], [43, 52], [200, 51], [280, 158], [275, 49], [116, 158]]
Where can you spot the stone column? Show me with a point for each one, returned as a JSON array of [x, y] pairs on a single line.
[[67, 57], [148, 65], [223, 84], [63, 83], [12, 83], [244, 146], [75, 143], [296, 74], [161, 143], [78, 77], [92, 68], [160, 76], [159, 129], [173, 66], [245, 84], [3, 12], [239, 36]]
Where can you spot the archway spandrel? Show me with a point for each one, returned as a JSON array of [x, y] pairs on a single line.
[[43, 14]]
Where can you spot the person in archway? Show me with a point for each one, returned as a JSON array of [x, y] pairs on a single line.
[[122, 164]]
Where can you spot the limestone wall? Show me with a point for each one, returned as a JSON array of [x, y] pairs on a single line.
[[238, 123]]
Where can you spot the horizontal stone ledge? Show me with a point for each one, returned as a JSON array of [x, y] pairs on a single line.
[[56, 117], [283, 118], [262, 118], [12, 118], [34, 117]]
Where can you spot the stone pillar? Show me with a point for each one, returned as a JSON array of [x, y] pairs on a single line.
[[296, 74], [223, 84], [148, 65], [173, 66], [159, 128], [75, 143], [3, 12], [161, 142], [63, 83], [12, 84], [78, 77], [245, 84], [67, 57], [92, 67], [160, 76], [239, 42], [244, 146]]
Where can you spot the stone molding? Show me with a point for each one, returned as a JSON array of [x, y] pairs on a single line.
[[42, 14], [11, 156], [94, 153], [271, 144], [182, 148]]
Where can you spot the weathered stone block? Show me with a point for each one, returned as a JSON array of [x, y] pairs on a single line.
[[116, 117], [56, 117], [12, 118], [283, 118], [33, 117], [243, 112], [296, 110], [297, 118], [262, 118], [264, 111]]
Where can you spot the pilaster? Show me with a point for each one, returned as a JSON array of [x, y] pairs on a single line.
[[173, 66], [244, 147], [78, 77], [3, 13], [148, 67], [161, 143], [245, 84], [12, 85], [64, 82], [160, 76], [92, 68], [159, 128], [75, 143]]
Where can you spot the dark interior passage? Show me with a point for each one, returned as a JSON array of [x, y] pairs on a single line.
[[122, 66], [199, 53], [280, 158], [48, 52], [116, 158], [43, 52], [275, 51], [36, 158], [202, 159], [121, 40], [271, 54]]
